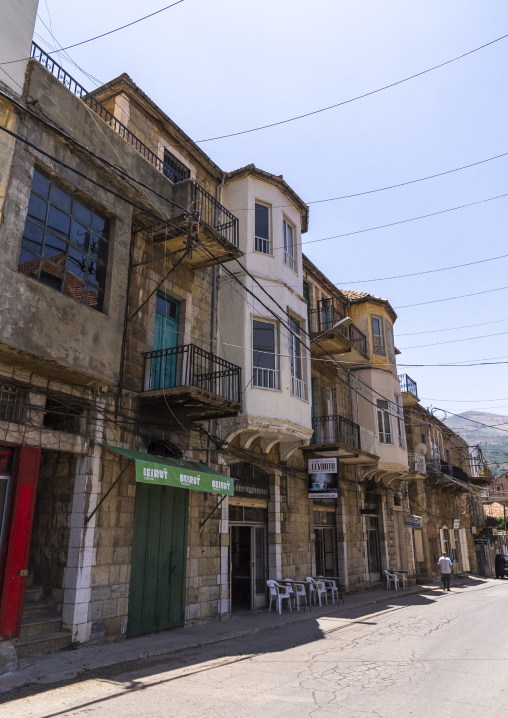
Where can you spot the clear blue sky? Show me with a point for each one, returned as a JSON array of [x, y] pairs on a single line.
[[222, 66]]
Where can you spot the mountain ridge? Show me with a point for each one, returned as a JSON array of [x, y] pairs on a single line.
[[493, 438]]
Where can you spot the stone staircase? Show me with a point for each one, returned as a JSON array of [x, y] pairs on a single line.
[[41, 627]]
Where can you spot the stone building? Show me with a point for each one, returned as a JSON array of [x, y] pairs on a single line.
[[449, 498], [108, 330]]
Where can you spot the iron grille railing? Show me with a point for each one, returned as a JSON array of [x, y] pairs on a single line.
[[335, 429], [250, 480], [211, 211], [326, 316], [188, 365], [13, 401], [265, 378], [408, 384], [214, 214], [438, 466]]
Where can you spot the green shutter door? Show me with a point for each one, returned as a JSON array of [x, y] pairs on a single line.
[[157, 586]]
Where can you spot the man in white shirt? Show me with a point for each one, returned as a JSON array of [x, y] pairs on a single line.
[[445, 563]]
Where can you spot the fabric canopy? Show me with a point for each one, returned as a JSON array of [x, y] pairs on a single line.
[[172, 472]]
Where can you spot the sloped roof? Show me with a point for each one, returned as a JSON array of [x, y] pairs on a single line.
[[357, 297], [279, 182]]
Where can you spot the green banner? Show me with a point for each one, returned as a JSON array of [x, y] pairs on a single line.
[[171, 472]]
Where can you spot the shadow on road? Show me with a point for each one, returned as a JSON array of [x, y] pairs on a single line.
[[131, 675]]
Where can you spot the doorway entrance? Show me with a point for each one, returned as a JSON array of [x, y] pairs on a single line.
[[167, 314], [325, 543], [157, 587], [247, 554], [373, 553]]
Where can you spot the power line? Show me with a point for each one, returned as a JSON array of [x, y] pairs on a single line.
[[402, 221], [473, 421], [463, 401], [451, 329], [358, 97], [381, 189], [104, 34], [452, 341], [449, 299]]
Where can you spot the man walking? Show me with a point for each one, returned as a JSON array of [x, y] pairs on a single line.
[[445, 563]]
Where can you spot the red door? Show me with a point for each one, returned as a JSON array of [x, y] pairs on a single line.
[[17, 538]]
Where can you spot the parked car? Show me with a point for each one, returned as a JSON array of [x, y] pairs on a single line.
[[501, 565]]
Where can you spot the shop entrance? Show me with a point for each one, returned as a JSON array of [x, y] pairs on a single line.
[[373, 547], [325, 543], [247, 553], [157, 587]]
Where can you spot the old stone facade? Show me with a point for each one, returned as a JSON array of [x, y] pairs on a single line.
[[159, 319]]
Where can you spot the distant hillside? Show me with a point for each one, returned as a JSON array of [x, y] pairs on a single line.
[[494, 442]]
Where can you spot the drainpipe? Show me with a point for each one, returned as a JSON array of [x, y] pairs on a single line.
[[212, 322], [288, 502]]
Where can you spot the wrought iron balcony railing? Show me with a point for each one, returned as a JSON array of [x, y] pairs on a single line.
[[408, 384], [326, 316], [210, 211], [214, 214], [188, 365], [335, 430], [438, 466]]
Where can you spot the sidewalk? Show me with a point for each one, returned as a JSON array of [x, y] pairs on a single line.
[[66, 665]]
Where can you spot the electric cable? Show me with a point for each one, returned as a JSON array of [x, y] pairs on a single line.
[[450, 329], [453, 341], [358, 97], [110, 32], [449, 299]]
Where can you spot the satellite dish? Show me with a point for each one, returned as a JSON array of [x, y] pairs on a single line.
[[421, 449]]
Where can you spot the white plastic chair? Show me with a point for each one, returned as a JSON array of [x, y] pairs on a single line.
[[278, 594], [333, 588], [318, 585], [298, 591], [312, 588], [392, 578], [403, 579]]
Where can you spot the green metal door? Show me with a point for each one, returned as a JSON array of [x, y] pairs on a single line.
[[157, 586]]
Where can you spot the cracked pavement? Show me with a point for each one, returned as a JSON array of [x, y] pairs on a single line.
[[436, 654]]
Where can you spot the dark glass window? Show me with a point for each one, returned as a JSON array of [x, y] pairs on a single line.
[[174, 170], [167, 307], [262, 229], [263, 355], [65, 243]]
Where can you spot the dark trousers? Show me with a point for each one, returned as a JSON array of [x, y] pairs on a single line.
[[446, 580]]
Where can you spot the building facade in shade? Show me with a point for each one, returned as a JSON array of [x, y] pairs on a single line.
[[449, 499]]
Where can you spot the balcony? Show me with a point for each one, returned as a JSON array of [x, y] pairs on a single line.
[[199, 213], [338, 436], [453, 476], [329, 336], [190, 383], [409, 390], [215, 226]]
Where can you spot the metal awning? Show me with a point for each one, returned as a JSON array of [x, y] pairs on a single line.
[[173, 472]]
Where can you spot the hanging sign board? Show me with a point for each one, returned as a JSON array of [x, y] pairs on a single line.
[[481, 541], [414, 521], [323, 478], [181, 474], [456, 523]]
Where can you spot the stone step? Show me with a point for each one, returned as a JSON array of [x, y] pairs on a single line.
[[38, 626], [32, 593], [46, 643], [37, 609]]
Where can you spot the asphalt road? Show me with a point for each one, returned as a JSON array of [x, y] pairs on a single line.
[[436, 655]]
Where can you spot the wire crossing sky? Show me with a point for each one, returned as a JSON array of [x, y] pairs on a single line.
[[282, 60]]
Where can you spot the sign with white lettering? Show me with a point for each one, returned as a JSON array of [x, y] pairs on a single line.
[[414, 521], [184, 478], [184, 474], [323, 478]]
